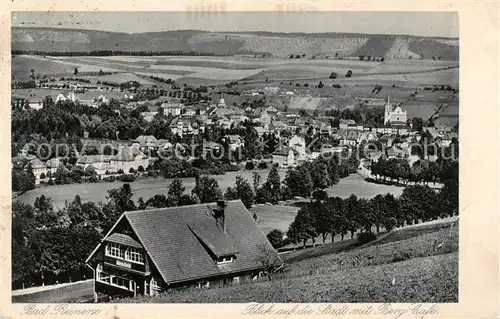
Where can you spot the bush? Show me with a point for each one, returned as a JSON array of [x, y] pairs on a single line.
[[42, 176], [275, 237], [120, 171], [127, 178], [262, 165], [152, 174], [131, 170], [249, 165], [366, 237]]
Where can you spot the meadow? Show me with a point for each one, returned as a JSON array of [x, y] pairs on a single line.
[[199, 70], [148, 187]]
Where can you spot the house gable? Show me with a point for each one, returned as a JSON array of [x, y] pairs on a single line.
[[177, 238]]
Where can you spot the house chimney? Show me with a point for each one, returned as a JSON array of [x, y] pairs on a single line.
[[220, 215]]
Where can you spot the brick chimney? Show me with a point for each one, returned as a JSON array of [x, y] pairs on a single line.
[[220, 215]]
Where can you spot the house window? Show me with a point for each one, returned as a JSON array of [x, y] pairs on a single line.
[[225, 259], [120, 282], [115, 250], [203, 284], [134, 255], [103, 277], [236, 280], [130, 253], [154, 284]]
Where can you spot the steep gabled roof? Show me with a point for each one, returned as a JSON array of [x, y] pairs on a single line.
[[171, 236]]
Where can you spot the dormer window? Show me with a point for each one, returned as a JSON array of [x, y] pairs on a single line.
[[225, 259]]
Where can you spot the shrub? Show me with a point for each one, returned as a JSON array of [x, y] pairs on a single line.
[[262, 165], [131, 170], [120, 171], [140, 168], [110, 179], [366, 237], [249, 165], [128, 178], [275, 237], [152, 174], [42, 176]]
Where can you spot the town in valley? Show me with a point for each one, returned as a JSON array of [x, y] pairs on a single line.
[[199, 166]]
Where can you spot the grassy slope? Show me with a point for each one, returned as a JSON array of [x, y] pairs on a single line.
[[423, 268], [430, 279]]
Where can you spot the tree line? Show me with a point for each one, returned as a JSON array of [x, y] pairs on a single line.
[[330, 216], [114, 53]]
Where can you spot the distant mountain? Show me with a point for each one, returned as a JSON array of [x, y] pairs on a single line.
[[276, 44]]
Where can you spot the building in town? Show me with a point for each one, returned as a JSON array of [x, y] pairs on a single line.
[[127, 158], [142, 254], [392, 115]]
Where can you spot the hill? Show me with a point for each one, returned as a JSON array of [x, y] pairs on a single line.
[[232, 43]]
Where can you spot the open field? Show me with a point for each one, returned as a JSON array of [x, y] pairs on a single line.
[[192, 70], [40, 94], [274, 217], [119, 78], [148, 187]]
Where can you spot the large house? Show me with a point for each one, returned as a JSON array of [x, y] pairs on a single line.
[[154, 250], [125, 159], [394, 116], [172, 109]]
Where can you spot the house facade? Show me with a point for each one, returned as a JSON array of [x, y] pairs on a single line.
[[143, 253], [127, 158], [394, 115]]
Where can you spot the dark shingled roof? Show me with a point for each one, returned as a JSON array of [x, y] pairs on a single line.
[[168, 235], [123, 239]]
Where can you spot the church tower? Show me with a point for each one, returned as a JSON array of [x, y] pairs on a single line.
[[388, 110]]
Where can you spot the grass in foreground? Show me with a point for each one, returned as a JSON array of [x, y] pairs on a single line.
[[423, 269], [429, 279]]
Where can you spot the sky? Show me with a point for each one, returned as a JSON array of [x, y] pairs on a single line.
[[434, 24]]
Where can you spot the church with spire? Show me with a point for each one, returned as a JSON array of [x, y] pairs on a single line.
[[393, 115]]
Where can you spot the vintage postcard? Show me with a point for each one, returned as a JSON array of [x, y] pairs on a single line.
[[211, 160]]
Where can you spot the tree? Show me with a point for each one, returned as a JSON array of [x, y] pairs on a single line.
[[348, 74], [256, 181], [304, 225], [30, 178], [45, 215], [275, 237], [319, 175], [75, 72], [207, 189], [187, 200], [158, 201], [419, 203], [242, 190], [299, 181], [352, 207], [333, 75], [175, 191], [268, 259], [122, 198], [61, 175], [273, 184], [320, 85]]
